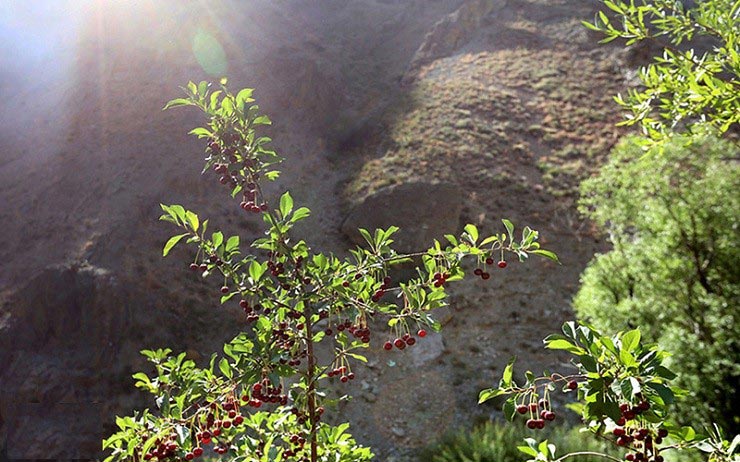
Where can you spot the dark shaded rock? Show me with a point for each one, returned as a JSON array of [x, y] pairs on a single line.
[[422, 211], [59, 342]]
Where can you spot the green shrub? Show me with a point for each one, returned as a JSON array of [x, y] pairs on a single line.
[[493, 442], [672, 218]]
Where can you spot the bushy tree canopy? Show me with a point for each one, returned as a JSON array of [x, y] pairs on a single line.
[[673, 222]]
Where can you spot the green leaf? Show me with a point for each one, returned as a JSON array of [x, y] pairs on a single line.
[[192, 220], [244, 96], [627, 358], [558, 342], [588, 25], [300, 214], [588, 363], [217, 239], [171, 243], [489, 394], [472, 232], [357, 357], [546, 254], [665, 373], [225, 368], [663, 391], [177, 102], [262, 120], [509, 409], [528, 450], [630, 340], [509, 228], [232, 244], [256, 270], [286, 204], [201, 132], [506, 379]]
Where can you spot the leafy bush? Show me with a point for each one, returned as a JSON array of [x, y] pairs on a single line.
[[673, 221], [624, 394], [682, 89], [495, 442]]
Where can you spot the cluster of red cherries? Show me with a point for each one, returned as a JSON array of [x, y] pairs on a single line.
[[344, 374], [485, 274], [218, 419], [264, 392], [537, 421], [405, 340], [229, 170], [440, 279], [638, 437], [381, 290]]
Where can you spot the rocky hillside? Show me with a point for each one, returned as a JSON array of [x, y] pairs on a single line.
[[458, 111]]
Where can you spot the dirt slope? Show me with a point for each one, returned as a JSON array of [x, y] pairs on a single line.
[[86, 156]]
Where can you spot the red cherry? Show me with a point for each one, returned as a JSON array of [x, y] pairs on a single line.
[[572, 385], [502, 264], [522, 409], [422, 333], [387, 346], [485, 276], [489, 261], [531, 424], [197, 452], [225, 290]]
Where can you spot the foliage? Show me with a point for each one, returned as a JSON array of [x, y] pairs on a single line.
[[624, 395], [685, 89], [495, 442], [673, 223], [293, 301]]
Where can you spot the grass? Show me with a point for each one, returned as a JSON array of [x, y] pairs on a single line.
[[473, 118], [497, 442]]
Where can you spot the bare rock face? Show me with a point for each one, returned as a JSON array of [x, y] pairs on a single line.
[[428, 350], [59, 338], [452, 32], [422, 211]]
